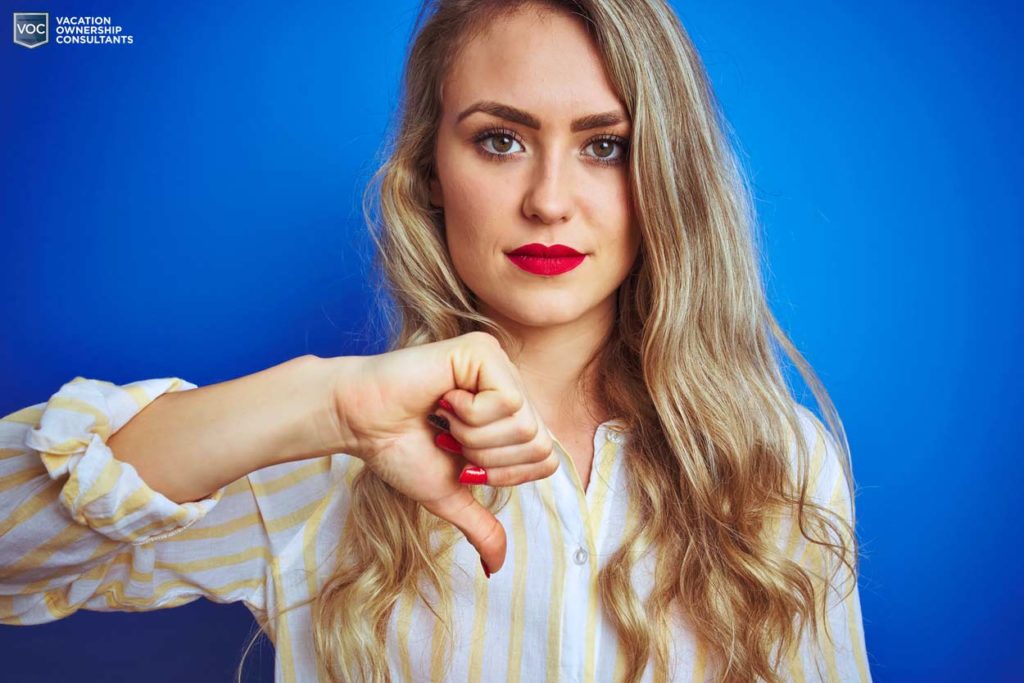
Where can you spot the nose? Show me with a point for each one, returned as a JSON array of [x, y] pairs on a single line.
[[549, 196]]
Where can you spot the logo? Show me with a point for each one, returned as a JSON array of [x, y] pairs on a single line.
[[31, 29]]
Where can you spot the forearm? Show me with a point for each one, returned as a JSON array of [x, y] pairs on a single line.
[[188, 444]]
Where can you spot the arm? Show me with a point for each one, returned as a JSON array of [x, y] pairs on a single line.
[[280, 414], [842, 655], [81, 529]]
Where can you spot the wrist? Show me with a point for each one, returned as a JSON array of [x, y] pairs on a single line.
[[304, 394], [338, 374]]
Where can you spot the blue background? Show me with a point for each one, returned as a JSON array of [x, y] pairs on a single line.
[[189, 206]]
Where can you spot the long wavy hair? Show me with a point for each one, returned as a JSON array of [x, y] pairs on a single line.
[[693, 368]]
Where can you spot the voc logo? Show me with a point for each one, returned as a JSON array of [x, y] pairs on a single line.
[[31, 29]]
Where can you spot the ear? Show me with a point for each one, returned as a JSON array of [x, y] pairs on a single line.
[[436, 196]]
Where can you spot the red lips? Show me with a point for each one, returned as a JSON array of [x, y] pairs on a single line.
[[543, 260], [536, 249]]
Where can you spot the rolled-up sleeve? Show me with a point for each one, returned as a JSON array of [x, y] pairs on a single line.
[[80, 529], [98, 490]]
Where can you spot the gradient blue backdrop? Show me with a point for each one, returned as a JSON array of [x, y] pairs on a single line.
[[189, 206]]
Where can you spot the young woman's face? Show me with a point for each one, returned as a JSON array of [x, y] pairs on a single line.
[[535, 165]]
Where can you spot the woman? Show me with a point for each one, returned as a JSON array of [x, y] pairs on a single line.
[[689, 521]]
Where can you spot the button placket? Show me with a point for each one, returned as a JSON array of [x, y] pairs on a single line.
[[574, 516], [575, 506], [608, 433]]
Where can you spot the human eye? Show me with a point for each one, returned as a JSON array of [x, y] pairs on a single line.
[[504, 138], [607, 144]]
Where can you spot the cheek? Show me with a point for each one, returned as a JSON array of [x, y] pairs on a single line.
[[609, 207], [479, 208], [613, 199], [474, 197], [475, 209]]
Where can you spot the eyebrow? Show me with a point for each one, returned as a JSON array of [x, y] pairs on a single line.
[[510, 113]]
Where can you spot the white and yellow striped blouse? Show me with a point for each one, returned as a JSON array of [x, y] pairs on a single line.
[[81, 530]]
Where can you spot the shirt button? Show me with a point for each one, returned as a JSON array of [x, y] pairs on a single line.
[[580, 556]]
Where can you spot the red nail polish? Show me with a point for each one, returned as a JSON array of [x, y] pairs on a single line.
[[486, 570], [473, 475], [448, 442], [446, 405]]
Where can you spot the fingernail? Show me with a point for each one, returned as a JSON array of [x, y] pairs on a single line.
[[446, 405], [448, 442], [473, 475], [487, 571], [438, 421]]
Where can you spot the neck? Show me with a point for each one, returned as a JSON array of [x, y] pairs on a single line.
[[551, 360]]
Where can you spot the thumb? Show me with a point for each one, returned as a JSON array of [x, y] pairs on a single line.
[[478, 524], [460, 400]]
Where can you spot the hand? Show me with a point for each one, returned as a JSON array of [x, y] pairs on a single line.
[[382, 404]]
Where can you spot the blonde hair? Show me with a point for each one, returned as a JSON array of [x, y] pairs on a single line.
[[692, 368]]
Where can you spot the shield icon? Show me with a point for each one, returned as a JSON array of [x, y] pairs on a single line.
[[31, 29]]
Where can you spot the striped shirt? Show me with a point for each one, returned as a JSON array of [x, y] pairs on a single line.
[[81, 530]]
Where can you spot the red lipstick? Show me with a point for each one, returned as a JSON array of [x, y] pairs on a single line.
[[543, 260]]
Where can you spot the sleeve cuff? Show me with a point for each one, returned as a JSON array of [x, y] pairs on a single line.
[[100, 491]]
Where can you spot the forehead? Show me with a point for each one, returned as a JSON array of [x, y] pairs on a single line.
[[537, 59]]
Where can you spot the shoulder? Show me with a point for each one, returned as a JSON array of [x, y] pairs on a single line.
[[832, 481], [825, 458]]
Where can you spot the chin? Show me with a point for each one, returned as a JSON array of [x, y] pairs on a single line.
[[540, 311]]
